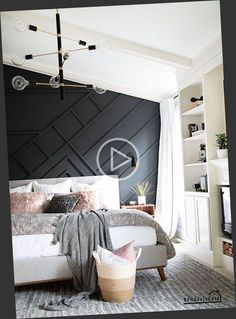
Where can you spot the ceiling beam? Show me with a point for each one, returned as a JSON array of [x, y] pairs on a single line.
[[120, 45], [148, 53]]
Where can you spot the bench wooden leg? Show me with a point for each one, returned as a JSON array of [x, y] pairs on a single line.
[[161, 273]]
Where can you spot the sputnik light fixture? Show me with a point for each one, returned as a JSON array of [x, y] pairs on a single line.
[[19, 82]]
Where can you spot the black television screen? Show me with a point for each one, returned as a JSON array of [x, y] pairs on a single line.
[[226, 211]]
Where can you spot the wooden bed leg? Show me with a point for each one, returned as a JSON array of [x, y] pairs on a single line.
[[161, 273]]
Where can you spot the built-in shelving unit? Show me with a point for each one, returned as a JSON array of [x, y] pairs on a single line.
[[202, 216], [193, 167]]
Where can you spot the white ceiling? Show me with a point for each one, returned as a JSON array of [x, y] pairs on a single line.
[[147, 43]]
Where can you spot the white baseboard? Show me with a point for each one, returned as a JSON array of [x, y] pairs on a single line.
[[227, 262], [202, 254]]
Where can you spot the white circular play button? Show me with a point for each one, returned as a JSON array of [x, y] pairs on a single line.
[[117, 156]]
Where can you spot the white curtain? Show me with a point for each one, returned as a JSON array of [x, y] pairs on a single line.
[[170, 182]]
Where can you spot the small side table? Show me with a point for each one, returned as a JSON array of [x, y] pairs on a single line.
[[147, 208]]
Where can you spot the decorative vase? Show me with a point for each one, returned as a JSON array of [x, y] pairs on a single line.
[[142, 200], [222, 153]]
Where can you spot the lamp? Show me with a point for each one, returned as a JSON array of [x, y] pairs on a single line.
[[57, 81]]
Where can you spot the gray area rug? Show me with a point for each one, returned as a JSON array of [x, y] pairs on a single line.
[[186, 279]]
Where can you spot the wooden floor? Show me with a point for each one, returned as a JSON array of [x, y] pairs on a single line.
[[179, 246]]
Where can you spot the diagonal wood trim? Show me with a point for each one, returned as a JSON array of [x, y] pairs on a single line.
[[56, 164], [41, 149], [57, 119], [95, 102], [22, 165], [78, 118], [81, 131], [23, 132], [74, 149], [91, 123], [134, 109], [131, 137]]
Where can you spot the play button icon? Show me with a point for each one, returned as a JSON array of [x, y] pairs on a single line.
[[115, 157], [126, 159]]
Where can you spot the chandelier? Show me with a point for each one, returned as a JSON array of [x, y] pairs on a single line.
[[57, 81]]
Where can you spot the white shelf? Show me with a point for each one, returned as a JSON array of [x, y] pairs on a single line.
[[227, 239], [195, 164], [219, 161], [198, 110], [197, 137], [198, 132], [193, 193]]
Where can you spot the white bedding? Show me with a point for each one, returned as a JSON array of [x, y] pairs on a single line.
[[142, 236], [28, 246]]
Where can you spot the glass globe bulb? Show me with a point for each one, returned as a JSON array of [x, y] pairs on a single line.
[[20, 25], [55, 81], [17, 60], [98, 89], [103, 46], [67, 55], [19, 83]]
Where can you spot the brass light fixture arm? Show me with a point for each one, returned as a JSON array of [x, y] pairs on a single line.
[[87, 86]]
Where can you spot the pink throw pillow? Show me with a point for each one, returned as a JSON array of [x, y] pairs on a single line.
[[88, 200], [28, 203], [126, 252]]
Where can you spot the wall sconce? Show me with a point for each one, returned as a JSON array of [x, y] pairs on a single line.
[[133, 162]]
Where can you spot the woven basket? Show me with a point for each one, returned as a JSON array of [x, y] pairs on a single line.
[[117, 282]]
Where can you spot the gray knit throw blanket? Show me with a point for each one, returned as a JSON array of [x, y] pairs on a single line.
[[80, 234]]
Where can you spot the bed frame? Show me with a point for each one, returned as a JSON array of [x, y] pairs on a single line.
[[44, 269]]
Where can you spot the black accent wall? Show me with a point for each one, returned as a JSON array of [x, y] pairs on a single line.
[[50, 138]]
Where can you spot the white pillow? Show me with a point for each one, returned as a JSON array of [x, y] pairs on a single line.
[[60, 188], [108, 258], [105, 194], [22, 189], [78, 187]]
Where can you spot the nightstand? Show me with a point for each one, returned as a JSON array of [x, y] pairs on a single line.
[[147, 208]]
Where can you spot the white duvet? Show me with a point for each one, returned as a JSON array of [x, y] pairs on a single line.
[[29, 246]]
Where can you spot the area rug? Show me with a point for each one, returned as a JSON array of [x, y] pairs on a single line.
[[189, 285]]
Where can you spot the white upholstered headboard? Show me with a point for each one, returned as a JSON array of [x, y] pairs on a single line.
[[111, 184]]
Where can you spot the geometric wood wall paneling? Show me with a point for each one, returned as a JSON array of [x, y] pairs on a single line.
[[51, 138]]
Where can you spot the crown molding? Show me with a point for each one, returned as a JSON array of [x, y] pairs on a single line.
[[209, 58]]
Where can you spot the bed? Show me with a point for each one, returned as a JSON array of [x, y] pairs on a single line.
[[37, 260]]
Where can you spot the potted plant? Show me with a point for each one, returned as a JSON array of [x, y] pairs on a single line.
[[221, 140], [142, 189]]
